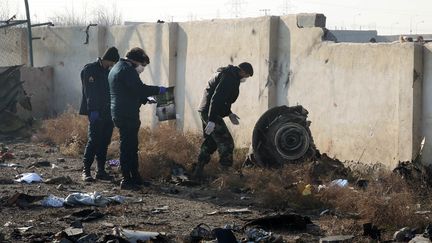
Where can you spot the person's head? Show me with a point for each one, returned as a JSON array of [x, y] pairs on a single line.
[[110, 57], [139, 58], [246, 71], [420, 39], [372, 40]]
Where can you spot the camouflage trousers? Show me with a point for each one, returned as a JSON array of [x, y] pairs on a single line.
[[220, 139]]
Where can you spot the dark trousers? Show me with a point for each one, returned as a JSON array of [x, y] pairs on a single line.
[[220, 139], [99, 138], [128, 147]]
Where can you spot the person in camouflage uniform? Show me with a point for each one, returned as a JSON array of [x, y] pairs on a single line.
[[222, 91]]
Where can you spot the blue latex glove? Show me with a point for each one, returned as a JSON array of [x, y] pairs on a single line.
[[162, 90], [94, 116]]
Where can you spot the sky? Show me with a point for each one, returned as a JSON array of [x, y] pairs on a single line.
[[386, 16]]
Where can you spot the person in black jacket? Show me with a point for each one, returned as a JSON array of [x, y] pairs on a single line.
[[128, 93], [222, 91], [95, 104]]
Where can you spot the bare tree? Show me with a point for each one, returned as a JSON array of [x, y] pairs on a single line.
[[107, 16], [99, 14]]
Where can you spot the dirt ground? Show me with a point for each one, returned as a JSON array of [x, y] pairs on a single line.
[[163, 207], [186, 206]]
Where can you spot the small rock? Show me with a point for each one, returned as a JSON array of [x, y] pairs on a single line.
[[337, 239]]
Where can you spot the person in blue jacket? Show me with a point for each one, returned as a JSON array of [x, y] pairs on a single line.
[[128, 93], [95, 104]]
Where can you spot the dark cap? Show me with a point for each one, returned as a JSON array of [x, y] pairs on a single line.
[[246, 67], [111, 54], [138, 54]]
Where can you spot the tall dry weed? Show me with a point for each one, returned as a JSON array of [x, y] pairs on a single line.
[[388, 202], [68, 131], [160, 148]]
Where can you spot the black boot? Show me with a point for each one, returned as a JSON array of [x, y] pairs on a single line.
[[86, 175], [197, 171], [136, 178], [127, 183], [101, 173]]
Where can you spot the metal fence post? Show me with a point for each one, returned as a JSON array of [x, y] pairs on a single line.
[[30, 37]]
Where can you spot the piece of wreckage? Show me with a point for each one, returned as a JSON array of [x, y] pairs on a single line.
[[282, 136], [13, 117]]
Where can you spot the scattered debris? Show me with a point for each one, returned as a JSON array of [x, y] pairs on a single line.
[[260, 235], [24, 229], [419, 239], [87, 215], [289, 221], [40, 164], [92, 199], [138, 236], [29, 178], [339, 183], [201, 232], [224, 235], [231, 211], [53, 201], [60, 180], [72, 231], [22, 200], [372, 231], [415, 172], [327, 169], [404, 234], [10, 165], [159, 210], [337, 239]]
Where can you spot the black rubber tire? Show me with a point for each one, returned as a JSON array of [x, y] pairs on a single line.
[[282, 135]]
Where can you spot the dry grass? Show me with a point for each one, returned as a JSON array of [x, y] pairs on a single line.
[[388, 201], [68, 131], [161, 148]]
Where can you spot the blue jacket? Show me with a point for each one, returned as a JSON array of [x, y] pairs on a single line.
[[127, 91], [95, 90]]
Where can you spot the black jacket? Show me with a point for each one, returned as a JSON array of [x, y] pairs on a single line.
[[127, 91], [95, 89], [222, 91]]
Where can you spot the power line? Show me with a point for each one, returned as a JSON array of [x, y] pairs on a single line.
[[266, 11], [237, 7]]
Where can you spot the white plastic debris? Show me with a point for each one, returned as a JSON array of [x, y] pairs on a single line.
[[53, 201], [29, 178], [137, 236], [339, 182], [92, 199]]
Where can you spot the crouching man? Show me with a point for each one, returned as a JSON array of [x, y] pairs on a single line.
[[221, 92]]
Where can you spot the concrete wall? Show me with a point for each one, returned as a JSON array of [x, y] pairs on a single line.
[[39, 85], [361, 102], [63, 48], [205, 46], [365, 100], [158, 40], [356, 36]]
